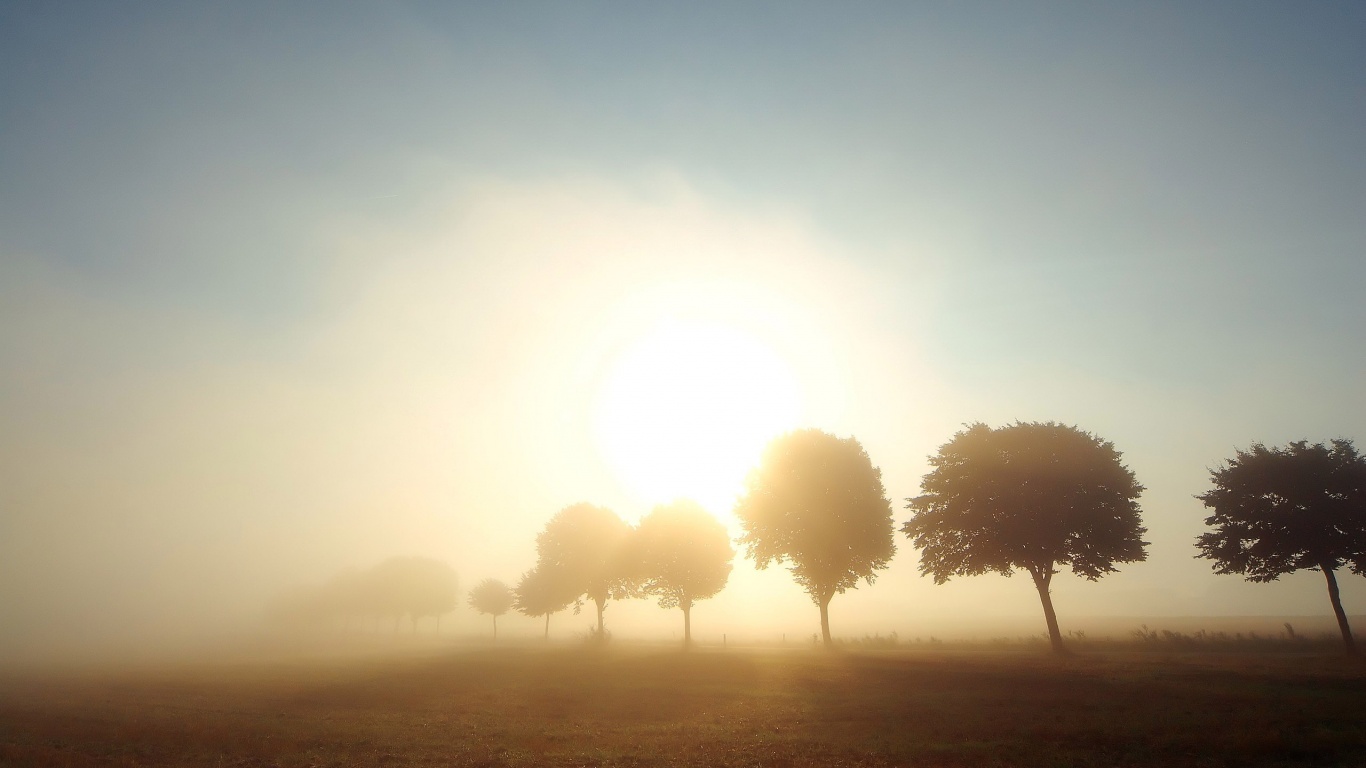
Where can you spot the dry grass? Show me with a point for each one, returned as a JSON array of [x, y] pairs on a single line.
[[569, 706]]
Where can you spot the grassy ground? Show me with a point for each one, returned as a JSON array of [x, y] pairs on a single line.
[[623, 706]]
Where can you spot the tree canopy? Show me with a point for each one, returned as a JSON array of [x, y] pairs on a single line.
[[587, 547], [683, 555], [541, 593], [1281, 510], [817, 502], [492, 597], [416, 586], [1029, 496], [400, 586]]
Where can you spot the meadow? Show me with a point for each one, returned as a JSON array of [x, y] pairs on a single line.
[[644, 706]]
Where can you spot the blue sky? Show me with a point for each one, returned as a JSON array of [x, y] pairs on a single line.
[[1145, 220]]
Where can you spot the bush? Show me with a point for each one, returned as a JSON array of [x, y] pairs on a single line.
[[594, 638]]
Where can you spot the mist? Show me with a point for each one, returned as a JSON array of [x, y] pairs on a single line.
[[282, 297]]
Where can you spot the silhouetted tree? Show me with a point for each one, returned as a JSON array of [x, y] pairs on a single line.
[[586, 547], [683, 555], [411, 586], [817, 502], [431, 590], [1280, 510], [1031, 496], [493, 597], [541, 593], [400, 586]]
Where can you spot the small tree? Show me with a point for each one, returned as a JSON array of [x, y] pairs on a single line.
[[684, 556], [586, 547], [1281, 510], [1031, 496], [817, 502], [491, 596], [541, 593]]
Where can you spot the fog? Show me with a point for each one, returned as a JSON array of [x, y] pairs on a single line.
[[270, 311]]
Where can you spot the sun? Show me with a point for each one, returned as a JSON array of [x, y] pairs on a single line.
[[687, 407]]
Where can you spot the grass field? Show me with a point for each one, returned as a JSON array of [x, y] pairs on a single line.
[[649, 706]]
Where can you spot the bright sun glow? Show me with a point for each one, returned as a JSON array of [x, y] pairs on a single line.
[[687, 409]]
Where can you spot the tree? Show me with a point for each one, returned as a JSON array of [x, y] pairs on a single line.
[[1280, 510], [586, 547], [399, 586], [1032, 496], [429, 589], [683, 555], [541, 593], [411, 586], [817, 502], [491, 596]]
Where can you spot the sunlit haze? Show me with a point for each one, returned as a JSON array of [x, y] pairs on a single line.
[[291, 290], [686, 409]]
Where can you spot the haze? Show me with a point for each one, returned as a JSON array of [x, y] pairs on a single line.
[[289, 290]]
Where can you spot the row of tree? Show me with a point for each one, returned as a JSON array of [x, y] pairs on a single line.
[[415, 587], [679, 554], [1033, 497]]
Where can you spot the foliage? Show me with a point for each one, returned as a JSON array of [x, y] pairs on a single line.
[[586, 548], [1280, 510], [817, 502], [413, 586], [400, 586], [683, 554], [1027, 495], [491, 596], [1201, 640], [540, 593], [597, 637]]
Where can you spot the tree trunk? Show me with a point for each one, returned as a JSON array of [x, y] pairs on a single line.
[[1337, 609], [495, 626], [547, 626], [825, 622], [687, 624], [1042, 579], [602, 606]]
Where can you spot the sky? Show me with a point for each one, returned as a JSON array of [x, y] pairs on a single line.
[[286, 289]]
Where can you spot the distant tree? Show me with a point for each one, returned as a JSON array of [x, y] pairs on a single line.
[[817, 502], [431, 591], [408, 586], [586, 547], [493, 597], [398, 587], [541, 593], [1031, 496], [1281, 510], [382, 588], [683, 555]]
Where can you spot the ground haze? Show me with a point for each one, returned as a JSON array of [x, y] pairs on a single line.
[[653, 706]]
